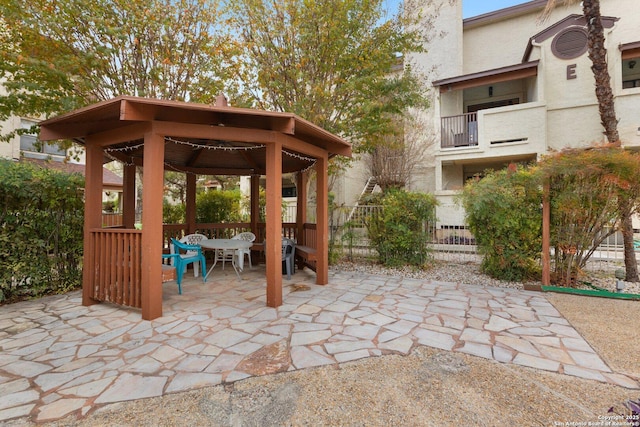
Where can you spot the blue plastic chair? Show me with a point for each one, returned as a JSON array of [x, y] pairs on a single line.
[[186, 254]]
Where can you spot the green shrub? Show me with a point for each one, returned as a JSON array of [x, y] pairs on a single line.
[[41, 230], [503, 213], [398, 231], [173, 213], [109, 206], [218, 206]]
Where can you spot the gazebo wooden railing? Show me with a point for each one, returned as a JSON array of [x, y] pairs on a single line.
[[114, 258], [114, 261]]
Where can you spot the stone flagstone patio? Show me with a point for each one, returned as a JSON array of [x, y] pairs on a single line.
[[58, 357]]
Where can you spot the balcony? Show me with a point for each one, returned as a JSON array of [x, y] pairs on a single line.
[[460, 131], [513, 129]]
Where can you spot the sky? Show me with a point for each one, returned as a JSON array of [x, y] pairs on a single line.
[[478, 7], [470, 7]]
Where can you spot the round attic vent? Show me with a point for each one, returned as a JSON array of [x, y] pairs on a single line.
[[570, 43]]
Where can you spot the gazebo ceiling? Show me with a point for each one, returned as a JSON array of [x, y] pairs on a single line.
[[199, 138]]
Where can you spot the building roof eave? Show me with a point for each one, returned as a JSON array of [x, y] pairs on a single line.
[[496, 75], [508, 12], [630, 50]]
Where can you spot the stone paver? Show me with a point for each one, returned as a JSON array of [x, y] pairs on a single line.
[[59, 358]]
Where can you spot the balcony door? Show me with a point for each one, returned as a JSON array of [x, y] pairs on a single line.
[[493, 104]]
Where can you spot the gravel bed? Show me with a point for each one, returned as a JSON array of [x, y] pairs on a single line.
[[469, 273], [427, 388]]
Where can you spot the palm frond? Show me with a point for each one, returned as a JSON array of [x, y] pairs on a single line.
[[552, 4]]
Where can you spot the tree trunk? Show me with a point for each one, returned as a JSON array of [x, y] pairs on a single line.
[[598, 56], [631, 266]]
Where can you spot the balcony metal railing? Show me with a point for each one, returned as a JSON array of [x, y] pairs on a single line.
[[460, 131]]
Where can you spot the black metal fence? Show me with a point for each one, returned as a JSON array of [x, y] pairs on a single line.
[[453, 243], [349, 237]]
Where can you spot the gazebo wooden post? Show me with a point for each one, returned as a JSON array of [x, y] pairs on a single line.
[[322, 221], [129, 197], [152, 186], [255, 204], [92, 216], [546, 225], [273, 245], [190, 212], [301, 206]]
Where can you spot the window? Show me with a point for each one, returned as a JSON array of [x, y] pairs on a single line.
[[29, 143], [289, 192], [630, 73], [492, 104], [473, 176]]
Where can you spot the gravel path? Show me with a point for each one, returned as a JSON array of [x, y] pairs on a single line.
[[603, 276]]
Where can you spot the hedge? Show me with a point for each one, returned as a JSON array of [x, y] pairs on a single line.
[[41, 223]]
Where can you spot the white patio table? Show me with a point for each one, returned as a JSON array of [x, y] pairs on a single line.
[[227, 245]]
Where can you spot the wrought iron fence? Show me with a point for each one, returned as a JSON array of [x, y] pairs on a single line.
[[349, 236], [451, 243]]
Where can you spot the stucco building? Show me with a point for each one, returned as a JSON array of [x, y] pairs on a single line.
[[508, 87]]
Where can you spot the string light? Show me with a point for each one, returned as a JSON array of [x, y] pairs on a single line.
[[118, 160], [299, 157], [215, 147], [127, 148], [308, 167], [207, 147]]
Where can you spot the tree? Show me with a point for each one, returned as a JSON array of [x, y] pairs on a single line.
[[586, 187], [393, 161], [598, 57], [331, 62], [58, 55], [604, 94]]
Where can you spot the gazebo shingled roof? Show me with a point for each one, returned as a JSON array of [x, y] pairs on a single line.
[[221, 153], [123, 266]]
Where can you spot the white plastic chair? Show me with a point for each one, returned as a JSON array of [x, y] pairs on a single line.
[[240, 253], [223, 255], [190, 239]]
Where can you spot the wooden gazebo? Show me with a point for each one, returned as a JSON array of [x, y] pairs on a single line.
[[123, 265]]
